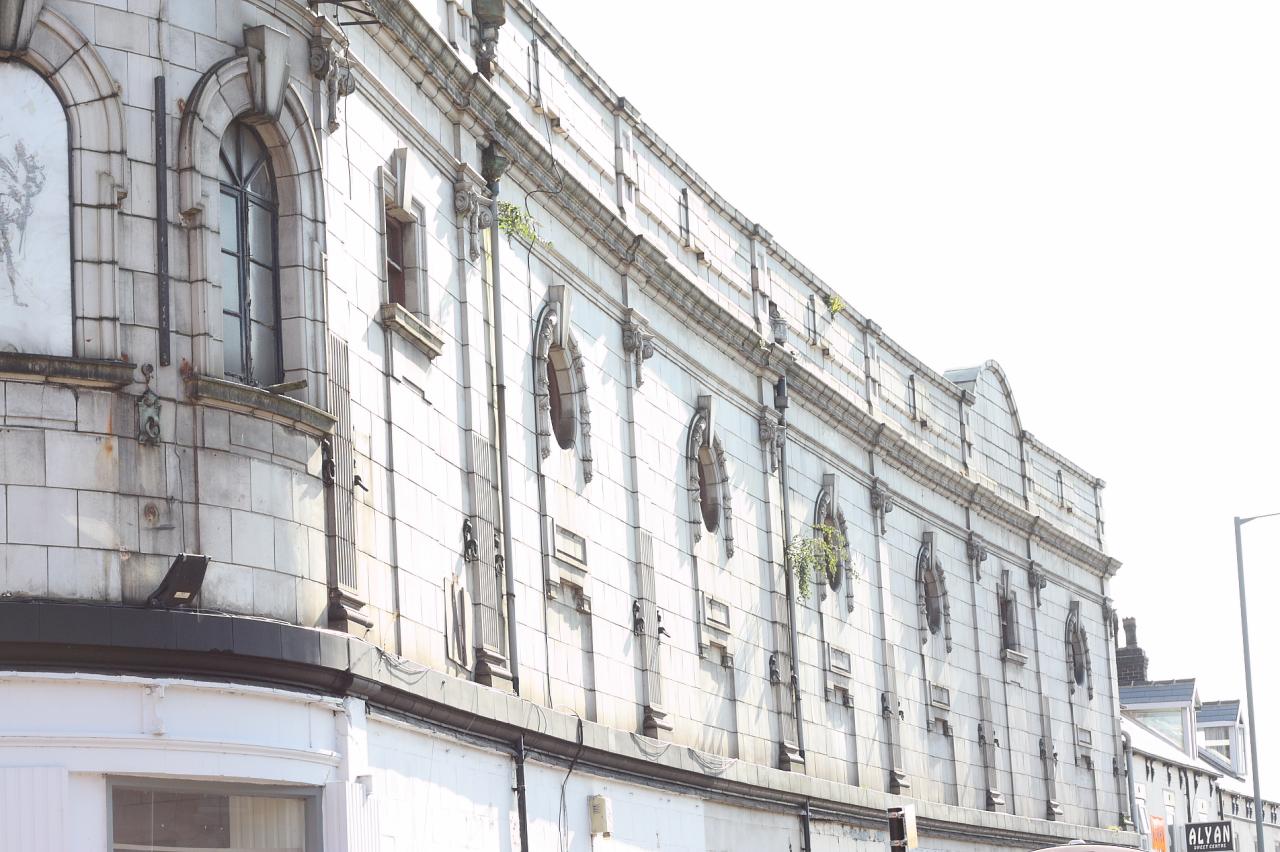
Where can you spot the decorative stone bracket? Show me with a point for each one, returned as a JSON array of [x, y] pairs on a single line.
[[331, 65], [1037, 580], [637, 342], [976, 549], [881, 504], [773, 434], [475, 212]]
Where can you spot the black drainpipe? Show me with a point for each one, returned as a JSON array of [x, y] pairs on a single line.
[[780, 403], [493, 164]]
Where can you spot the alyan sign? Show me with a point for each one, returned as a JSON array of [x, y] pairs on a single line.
[[1209, 837]]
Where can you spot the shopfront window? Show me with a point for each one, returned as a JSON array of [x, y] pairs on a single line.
[[177, 819]]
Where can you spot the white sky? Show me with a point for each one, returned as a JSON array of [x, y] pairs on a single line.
[[1087, 192]]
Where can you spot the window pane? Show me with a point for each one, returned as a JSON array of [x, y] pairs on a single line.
[[261, 247], [262, 823], [260, 182], [229, 158], [151, 819], [156, 820], [266, 357], [262, 291], [251, 151], [230, 283], [228, 225], [231, 343]]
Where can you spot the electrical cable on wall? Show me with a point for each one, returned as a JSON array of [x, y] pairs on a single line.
[[563, 816]]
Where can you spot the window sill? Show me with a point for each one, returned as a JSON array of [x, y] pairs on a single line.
[[1017, 658], [421, 335], [57, 369], [234, 396]]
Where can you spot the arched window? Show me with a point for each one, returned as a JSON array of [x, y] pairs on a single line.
[[1079, 665], [710, 493], [35, 216], [561, 408], [708, 489], [931, 588], [564, 421], [250, 274]]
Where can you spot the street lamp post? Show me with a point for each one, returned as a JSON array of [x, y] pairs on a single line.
[[1248, 681]]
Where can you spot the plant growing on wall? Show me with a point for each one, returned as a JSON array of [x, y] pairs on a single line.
[[515, 221], [834, 303], [806, 555]]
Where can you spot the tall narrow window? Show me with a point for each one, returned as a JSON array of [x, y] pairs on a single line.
[[250, 274], [35, 219], [395, 260], [685, 229]]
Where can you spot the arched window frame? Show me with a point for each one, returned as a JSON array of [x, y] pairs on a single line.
[[255, 87], [98, 174], [1079, 662], [563, 417], [827, 512], [708, 473], [248, 183], [931, 589]]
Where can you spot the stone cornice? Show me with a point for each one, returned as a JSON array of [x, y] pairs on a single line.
[[603, 230]]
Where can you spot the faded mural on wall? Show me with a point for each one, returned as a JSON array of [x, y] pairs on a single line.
[[35, 216]]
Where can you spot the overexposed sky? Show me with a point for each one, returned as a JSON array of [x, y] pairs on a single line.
[[1087, 192]]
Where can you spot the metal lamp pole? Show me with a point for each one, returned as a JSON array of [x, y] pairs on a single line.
[[1248, 681]]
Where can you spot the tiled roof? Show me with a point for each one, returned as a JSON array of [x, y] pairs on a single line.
[[1159, 692], [1218, 713]]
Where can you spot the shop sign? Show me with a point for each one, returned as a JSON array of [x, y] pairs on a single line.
[[1209, 837]]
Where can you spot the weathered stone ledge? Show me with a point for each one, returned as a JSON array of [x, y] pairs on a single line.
[[62, 370], [234, 396], [421, 335]]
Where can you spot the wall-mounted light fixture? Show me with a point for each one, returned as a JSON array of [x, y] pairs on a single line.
[[182, 582]]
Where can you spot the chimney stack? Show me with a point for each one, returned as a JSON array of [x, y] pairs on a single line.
[[1131, 660]]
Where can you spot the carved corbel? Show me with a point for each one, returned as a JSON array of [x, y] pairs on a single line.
[[268, 52], [773, 434], [777, 323], [881, 504], [475, 213], [1110, 619], [637, 342], [331, 64], [976, 548], [490, 15], [1037, 580]]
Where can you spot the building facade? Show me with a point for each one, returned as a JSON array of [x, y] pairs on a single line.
[[1189, 761], [403, 447]]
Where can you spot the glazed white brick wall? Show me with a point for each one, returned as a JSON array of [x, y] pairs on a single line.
[[74, 484]]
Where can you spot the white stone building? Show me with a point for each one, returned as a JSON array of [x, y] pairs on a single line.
[[496, 425]]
